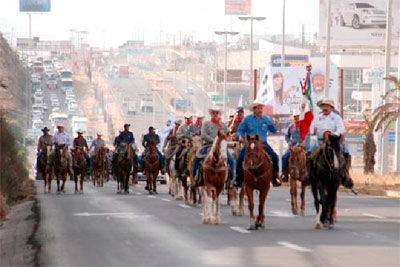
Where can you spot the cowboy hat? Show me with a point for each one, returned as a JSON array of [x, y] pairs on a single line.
[[256, 103], [239, 109], [187, 115], [296, 112], [99, 133], [214, 108], [127, 125], [80, 131], [45, 129], [232, 113], [326, 101], [60, 125], [199, 114]]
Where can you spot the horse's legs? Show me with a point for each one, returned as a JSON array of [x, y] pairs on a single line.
[[58, 182], [314, 190], [332, 194], [260, 219], [293, 194], [322, 194], [185, 188], [241, 201], [76, 174], [303, 200], [249, 193], [64, 177], [206, 215], [81, 181], [217, 209], [155, 182], [127, 182]]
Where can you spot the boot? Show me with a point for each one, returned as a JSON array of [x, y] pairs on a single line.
[[276, 182], [346, 180], [285, 176]]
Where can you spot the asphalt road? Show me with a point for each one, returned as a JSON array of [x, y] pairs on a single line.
[[102, 228]]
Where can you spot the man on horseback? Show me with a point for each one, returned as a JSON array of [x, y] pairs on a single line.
[[147, 139], [81, 142], [239, 117], [182, 137], [257, 124], [62, 138], [193, 129], [292, 138], [170, 143], [125, 136], [330, 123], [45, 140], [208, 133]]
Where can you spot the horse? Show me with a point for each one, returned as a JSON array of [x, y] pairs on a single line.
[[181, 176], [99, 166], [257, 175], [79, 166], [60, 166], [297, 170], [326, 172], [123, 166], [215, 170], [43, 168], [151, 165], [194, 182]]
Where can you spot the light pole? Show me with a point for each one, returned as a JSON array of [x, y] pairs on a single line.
[[251, 18], [225, 33]]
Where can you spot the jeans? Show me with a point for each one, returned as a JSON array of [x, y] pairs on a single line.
[[88, 161], [285, 160], [197, 161]]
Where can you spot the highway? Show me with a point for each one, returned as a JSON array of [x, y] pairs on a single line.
[[102, 228]]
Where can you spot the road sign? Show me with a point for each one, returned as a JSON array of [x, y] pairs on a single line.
[[219, 98], [392, 136]]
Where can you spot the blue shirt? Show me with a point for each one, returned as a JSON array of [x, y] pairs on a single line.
[[252, 125], [293, 135], [125, 137]]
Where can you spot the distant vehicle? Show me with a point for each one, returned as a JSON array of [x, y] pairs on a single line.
[[66, 84], [189, 90], [78, 122], [146, 105], [360, 15], [59, 118], [38, 100], [37, 107], [65, 74], [123, 71], [132, 107], [39, 70], [37, 124], [48, 62], [51, 84]]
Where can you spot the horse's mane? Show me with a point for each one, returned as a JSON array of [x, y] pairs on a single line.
[[223, 149]]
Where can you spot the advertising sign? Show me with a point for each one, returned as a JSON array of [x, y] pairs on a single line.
[[373, 75], [290, 60], [358, 23], [34, 5], [237, 7], [280, 88]]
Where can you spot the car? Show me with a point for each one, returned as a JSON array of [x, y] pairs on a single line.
[[189, 90], [51, 84], [55, 109], [38, 93], [358, 15], [55, 104]]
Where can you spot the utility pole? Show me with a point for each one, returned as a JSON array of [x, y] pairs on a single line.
[[283, 36], [397, 130], [328, 49], [30, 26]]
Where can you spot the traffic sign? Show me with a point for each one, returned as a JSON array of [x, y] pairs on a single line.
[[219, 98]]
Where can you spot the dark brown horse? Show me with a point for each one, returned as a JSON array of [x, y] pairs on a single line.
[[60, 166], [99, 166], [257, 176], [151, 165], [215, 172], [44, 169], [79, 165], [297, 170], [123, 167]]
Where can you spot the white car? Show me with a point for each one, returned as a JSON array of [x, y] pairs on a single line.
[[359, 14], [55, 104]]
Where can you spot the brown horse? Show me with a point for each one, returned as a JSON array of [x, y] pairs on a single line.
[[44, 169], [215, 170], [99, 166], [79, 166], [194, 183], [123, 166], [151, 165], [297, 170], [60, 166], [257, 176]]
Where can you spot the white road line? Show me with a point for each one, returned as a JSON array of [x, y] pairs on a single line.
[[240, 230], [139, 193], [184, 206], [151, 196], [166, 200], [293, 246], [374, 216], [281, 214]]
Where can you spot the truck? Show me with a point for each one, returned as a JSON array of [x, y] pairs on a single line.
[[123, 71], [132, 107], [79, 123]]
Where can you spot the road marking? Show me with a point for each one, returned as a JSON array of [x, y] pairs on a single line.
[[374, 216], [139, 193], [281, 214], [166, 200], [184, 206], [151, 196], [120, 215], [240, 230], [293, 246]]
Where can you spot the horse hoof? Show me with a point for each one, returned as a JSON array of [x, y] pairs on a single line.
[[260, 225], [179, 198], [205, 220], [150, 192], [326, 224], [217, 220], [155, 192], [251, 227], [294, 212], [301, 212], [331, 226], [241, 213], [318, 225]]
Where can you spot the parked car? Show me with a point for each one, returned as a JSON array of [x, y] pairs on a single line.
[[360, 15]]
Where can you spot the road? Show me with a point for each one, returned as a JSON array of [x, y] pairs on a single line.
[[101, 228]]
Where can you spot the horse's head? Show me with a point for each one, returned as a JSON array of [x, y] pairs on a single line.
[[297, 160], [334, 142], [253, 149], [196, 141], [332, 150], [151, 146], [48, 150]]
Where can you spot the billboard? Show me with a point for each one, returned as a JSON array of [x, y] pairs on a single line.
[[358, 23], [237, 7], [280, 88], [34, 5], [290, 60]]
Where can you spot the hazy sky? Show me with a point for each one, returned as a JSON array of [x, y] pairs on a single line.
[[115, 21]]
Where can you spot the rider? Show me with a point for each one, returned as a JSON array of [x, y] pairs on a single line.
[[125, 136], [194, 129], [97, 143], [45, 140], [171, 141], [147, 138], [331, 122], [181, 135], [237, 120], [292, 138], [208, 133], [62, 138], [259, 124], [81, 142]]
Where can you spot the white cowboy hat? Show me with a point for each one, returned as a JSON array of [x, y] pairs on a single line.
[[199, 114], [256, 103], [296, 112], [326, 101], [60, 125], [187, 115], [80, 131], [232, 113], [99, 133], [215, 108]]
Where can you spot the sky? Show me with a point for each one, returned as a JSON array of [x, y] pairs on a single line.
[[112, 22]]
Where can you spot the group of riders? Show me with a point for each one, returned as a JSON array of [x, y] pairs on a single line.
[[178, 143]]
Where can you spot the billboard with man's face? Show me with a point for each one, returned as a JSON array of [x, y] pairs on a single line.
[[34, 5], [358, 22]]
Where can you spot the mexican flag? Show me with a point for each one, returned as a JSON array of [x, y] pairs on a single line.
[[306, 112]]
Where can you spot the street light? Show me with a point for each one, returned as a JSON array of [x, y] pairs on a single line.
[[225, 33], [251, 18]]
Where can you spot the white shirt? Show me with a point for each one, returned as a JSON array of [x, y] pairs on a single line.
[[323, 123], [62, 138]]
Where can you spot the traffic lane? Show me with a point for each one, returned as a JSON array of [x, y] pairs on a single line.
[[113, 234]]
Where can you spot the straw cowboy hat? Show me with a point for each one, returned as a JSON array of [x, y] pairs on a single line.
[[215, 108], [99, 133], [296, 112], [232, 113], [187, 115], [60, 125], [80, 131], [256, 103], [326, 101], [199, 114]]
